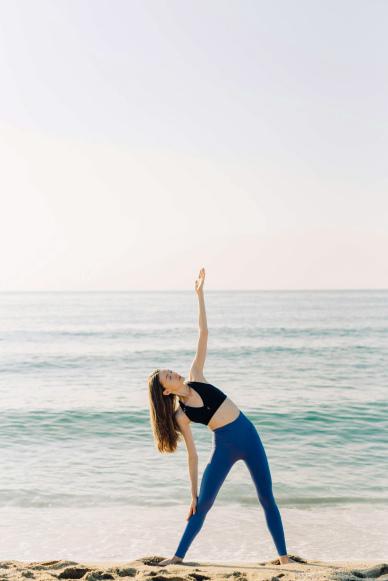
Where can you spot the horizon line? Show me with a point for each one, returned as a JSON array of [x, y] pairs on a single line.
[[207, 290]]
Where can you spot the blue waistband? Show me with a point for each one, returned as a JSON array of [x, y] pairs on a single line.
[[228, 427]]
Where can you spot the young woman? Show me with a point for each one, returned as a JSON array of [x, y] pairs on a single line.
[[235, 438]]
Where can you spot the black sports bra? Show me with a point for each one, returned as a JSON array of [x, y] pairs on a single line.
[[212, 398]]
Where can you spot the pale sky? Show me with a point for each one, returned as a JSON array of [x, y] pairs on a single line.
[[141, 140]]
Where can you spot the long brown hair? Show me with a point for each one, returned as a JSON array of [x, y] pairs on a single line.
[[165, 428]]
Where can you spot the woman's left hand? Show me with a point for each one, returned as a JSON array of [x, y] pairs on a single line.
[[200, 280]]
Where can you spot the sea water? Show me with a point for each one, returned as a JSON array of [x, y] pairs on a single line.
[[81, 477]]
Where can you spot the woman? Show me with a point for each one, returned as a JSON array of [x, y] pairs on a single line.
[[235, 438]]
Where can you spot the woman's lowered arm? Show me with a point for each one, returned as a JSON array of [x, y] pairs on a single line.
[[193, 471], [192, 455]]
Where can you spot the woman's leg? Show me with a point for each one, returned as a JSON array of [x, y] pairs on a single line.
[[257, 463], [213, 476]]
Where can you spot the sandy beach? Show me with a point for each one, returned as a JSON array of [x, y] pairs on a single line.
[[146, 567]]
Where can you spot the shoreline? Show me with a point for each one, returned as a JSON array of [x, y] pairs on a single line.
[[146, 567]]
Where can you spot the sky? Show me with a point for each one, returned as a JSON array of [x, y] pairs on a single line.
[[141, 140]]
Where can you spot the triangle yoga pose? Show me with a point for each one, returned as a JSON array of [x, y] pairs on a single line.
[[235, 438]]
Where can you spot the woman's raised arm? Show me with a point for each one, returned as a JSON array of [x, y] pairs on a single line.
[[199, 359], [202, 322]]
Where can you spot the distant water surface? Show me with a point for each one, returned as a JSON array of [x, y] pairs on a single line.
[[81, 477]]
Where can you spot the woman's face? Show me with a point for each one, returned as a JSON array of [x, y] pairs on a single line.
[[171, 380]]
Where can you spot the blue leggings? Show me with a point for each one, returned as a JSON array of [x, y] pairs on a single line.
[[238, 440]]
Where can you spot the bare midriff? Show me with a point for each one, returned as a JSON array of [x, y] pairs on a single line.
[[226, 413]]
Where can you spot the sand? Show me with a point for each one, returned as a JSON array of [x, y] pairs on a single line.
[[147, 568]]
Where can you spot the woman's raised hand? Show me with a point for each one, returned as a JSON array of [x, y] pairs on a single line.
[[200, 280]]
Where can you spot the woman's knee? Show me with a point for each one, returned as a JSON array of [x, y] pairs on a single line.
[[204, 506], [267, 500]]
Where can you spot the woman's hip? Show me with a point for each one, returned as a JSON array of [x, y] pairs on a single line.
[[239, 431]]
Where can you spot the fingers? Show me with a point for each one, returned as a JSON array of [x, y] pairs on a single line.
[[200, 280], [193, 510]]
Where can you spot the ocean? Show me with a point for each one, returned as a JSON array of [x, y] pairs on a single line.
[[81, 477]]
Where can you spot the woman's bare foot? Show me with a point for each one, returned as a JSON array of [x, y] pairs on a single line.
[[284, 559], [171, 561]]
